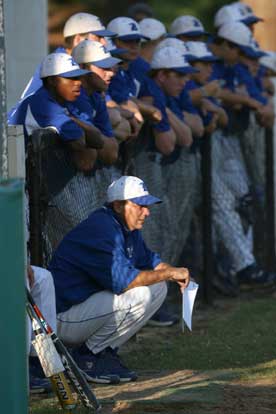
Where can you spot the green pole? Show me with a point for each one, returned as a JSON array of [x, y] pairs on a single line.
[[13, 361]]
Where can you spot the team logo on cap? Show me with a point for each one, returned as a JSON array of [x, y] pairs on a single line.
[[142, 184], [196, 23], [133, 27], [72, 61]]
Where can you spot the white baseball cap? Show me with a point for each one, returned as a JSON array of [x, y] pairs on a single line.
[[235, 12], [269, 61], [187, 25], [152, 28], [239, 34], [60, 64], [130, 188], [89, 51], [170, 58], [235, 32], [246, 12], [173, 42], [198, 51], [125, 28], [85, 23]]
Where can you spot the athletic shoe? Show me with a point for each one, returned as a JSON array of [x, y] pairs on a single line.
[[39, 385], [95, 369], [162, 318], [253, 275], [116, 366]]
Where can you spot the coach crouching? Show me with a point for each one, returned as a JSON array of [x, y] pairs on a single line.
[[108, 283]]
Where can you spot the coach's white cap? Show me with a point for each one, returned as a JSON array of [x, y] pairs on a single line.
[[170, 58], [173, 42], [235, 12], [198, 51], [89, 51], [125, 28], [130, 188], [85, 23], [152, 28], [61, 64], [269, 61], [187, 25]]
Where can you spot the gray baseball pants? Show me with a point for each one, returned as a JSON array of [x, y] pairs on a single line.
[[109, 320]]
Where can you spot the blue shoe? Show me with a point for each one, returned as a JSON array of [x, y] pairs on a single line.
[[253, 275], [114, 363], [95, 369], [163, 318], [39, 385]]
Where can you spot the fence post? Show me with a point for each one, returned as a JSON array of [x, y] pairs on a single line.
[[269, 201], [13, 362], [206, 174]]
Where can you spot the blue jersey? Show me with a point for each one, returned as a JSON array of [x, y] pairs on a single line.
[[94, 106], [227, 74], [139, 68], [123, 86], [185, 102], [150, 88], [98, 254], [245, 78], [34, 84], [41, 110]]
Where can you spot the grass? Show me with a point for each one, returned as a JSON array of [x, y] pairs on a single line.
[[240, 338], [233, 343]]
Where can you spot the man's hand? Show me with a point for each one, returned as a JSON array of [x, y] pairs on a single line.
[[181, 276]]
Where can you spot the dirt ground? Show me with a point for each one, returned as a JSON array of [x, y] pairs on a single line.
[[186, 391], [183, 392]]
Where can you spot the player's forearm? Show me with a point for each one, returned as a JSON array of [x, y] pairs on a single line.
[[93, 136], [109, 154], [182, 131]]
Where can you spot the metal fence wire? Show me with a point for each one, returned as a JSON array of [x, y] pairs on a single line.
[[60, 196]]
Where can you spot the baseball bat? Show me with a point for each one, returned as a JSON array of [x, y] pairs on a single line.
[[51, 363], [74, 374]]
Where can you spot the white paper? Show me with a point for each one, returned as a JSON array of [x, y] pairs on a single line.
[[188, 299]]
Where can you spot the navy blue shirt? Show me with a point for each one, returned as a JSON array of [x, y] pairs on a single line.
[[98, 254]]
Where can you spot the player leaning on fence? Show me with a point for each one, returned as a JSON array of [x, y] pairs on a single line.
[[49, 107]]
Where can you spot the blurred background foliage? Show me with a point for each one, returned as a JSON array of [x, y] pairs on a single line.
[[165, 10]]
